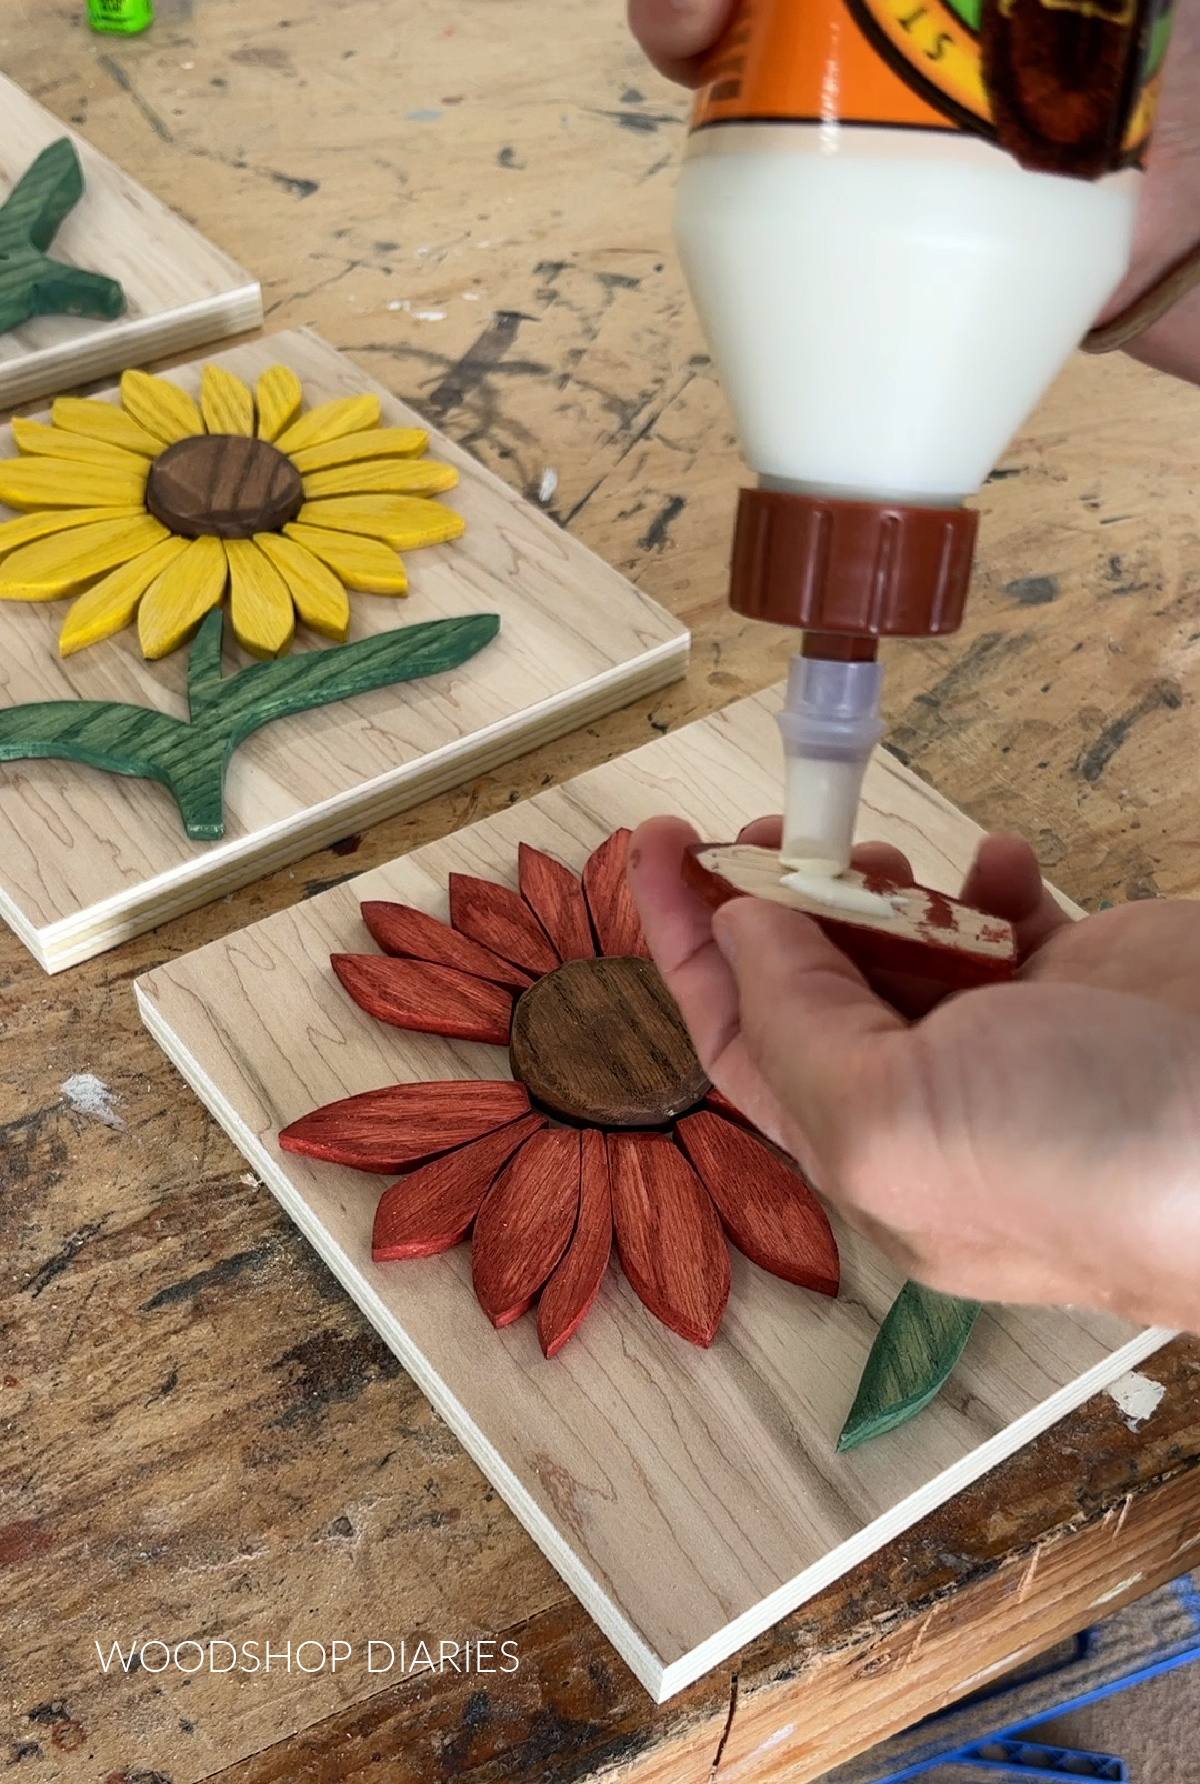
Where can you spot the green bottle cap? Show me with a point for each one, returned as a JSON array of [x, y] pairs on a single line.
[[126, 16]]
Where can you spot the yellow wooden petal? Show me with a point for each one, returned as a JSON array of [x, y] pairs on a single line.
[[110, 604], [53, 442], [383, 476], [62, 483], [103, 421], [361, 563], [177, 601], [64, 562], [260, 606], [225, 402], [56, 520], [405, 522], [330, 421], [380, 442], [279, 398], [160, 406], [319, 598]]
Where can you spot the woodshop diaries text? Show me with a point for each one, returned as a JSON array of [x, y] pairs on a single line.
[[481, 1655]]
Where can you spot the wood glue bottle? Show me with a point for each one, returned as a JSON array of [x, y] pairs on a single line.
[[897, 218]]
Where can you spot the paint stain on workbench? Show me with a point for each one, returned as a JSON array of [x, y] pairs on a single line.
[[22, 1541], [1092, 761], [328, 1367], [642, 123], [1033, 591], [657, 534], [90, 1096], [227, 1269], [1137, 1397]]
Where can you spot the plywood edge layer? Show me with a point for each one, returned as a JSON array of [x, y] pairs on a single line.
[[51, 371]]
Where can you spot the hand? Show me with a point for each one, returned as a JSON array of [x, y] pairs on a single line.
[[676, 33], [1037, 1141], [1168, 221]]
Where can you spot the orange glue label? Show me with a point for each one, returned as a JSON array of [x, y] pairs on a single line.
[[1065, 86]]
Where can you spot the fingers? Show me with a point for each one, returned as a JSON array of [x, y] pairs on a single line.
[[678, 928], [763, 833], [809, 1021], [1006, 881], [676, 33], [884, 862]]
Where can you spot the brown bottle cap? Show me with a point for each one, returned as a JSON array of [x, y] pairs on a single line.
[[879, 569]]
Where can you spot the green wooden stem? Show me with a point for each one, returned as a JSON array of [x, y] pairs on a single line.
[[31, 284], [914, 1351], [190, 757]]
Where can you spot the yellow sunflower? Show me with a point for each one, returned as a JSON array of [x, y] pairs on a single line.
[[154, 508]]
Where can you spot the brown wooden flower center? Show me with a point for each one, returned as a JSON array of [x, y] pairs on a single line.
[[602, 1042], [227, 484]]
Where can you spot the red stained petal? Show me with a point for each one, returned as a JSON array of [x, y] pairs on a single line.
[[400, 929], [430, 999], [555, 897], [668, 1236], [525, 1224], [405, 1124], [567, 1298], [499, 920], [430, 1210], [721, 1105], [767, 1209], [610, 901]]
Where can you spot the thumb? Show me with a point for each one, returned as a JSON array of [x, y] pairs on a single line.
[[676, 33], [811, 1024]]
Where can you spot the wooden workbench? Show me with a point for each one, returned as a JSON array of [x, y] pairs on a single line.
[[199, 1436]]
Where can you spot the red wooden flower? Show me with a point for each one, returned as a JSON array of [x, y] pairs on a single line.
[[608, 1124]]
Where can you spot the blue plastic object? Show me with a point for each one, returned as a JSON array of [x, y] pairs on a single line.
[[1029, 1759], [991, 1736]]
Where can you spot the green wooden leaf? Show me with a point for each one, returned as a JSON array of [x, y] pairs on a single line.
[[190, 759], [30, 283], [914, 1351]]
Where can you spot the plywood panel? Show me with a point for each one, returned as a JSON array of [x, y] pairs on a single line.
[[87, 859], [180, 290], [690, 1498]]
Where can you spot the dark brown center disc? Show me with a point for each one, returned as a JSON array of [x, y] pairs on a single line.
[[602, 1042], [225, 484]]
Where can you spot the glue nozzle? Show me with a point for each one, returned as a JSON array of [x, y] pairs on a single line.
[[830, 724]]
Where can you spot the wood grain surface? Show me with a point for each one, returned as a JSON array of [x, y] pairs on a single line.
[[226, 484], [180, 290], [602, 1042], [575, 639], [681, 1542], [200, 1432]]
